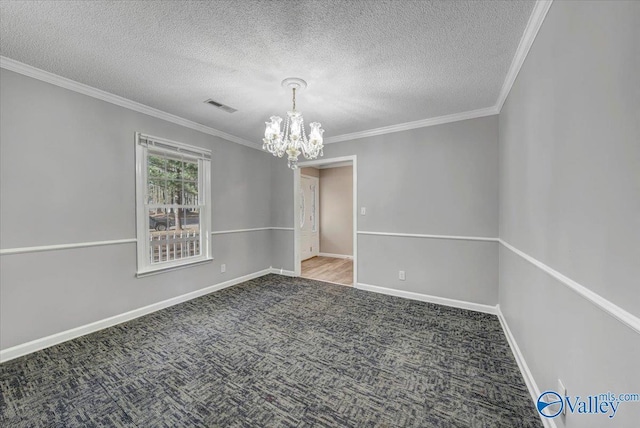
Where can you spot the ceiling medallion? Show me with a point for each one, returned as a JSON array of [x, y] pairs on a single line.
[[293, 140]]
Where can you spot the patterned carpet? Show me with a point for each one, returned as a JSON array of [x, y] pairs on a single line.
[[277, 352]]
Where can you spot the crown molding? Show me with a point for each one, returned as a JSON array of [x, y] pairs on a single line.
[[473, 114], [63, 82], [528, 37], [536, 19], [531, 31]]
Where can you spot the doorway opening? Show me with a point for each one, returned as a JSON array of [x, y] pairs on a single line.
[[325, 213]]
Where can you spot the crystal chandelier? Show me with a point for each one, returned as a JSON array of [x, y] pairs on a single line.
[[293, 140]]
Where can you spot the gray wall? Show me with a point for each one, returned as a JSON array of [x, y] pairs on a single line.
[[67, 176], [282, 253], [336, 210], [567, 169], [570, 197], [441, 180]]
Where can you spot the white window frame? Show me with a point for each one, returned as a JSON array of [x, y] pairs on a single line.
[[146, 144]]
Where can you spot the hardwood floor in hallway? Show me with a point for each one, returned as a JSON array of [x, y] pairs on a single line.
[[328, 269]]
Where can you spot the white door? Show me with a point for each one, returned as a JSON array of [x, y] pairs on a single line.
[[309, 226]]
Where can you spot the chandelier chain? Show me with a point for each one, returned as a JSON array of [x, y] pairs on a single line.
[[294, 99]]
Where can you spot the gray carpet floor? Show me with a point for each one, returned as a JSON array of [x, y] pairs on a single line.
[[277, 352]]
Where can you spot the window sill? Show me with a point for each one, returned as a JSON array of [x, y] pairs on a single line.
[[159, 270]]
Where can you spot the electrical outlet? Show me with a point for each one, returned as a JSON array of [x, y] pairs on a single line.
[[401, 276], [223, 268], [363, 210]]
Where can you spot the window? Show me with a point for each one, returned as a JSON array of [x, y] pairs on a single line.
[[173, 204]]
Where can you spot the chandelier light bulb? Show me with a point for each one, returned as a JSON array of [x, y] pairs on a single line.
[[272, 131], [315, 136], [293, 139]]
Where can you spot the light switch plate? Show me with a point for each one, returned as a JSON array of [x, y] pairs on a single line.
[[363, 210]]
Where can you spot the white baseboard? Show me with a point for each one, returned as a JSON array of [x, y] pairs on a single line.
[[280, 271], [532, 386], [335, 256], [54, 339], [428, 298]]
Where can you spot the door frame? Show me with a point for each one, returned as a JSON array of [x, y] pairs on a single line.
[[297, 263]]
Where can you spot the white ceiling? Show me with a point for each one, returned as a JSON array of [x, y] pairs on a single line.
[[368, 64]]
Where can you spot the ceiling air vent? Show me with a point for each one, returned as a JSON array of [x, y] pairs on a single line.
[[221, 106]]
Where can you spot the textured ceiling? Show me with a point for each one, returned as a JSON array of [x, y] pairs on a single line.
[[368, 63]]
